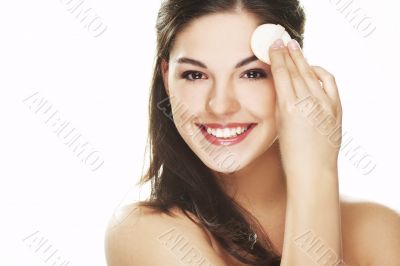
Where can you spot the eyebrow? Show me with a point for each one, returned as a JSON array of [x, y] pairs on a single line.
[[186, 60]]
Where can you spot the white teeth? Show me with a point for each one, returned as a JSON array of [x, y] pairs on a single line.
[[226, 132], [219, 133], [232, 132]]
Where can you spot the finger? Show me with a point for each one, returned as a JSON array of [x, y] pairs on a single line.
[[328, 82], [306, 71], [298, 82], [280, 73]]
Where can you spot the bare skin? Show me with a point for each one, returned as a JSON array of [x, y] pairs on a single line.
[[371, 237], [292, 188]]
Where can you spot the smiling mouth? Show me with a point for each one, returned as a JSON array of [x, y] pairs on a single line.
[[228, 134]]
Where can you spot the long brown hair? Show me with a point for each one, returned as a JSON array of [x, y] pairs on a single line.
[[178, 177]]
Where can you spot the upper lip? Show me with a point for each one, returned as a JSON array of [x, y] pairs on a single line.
[[225, 125]]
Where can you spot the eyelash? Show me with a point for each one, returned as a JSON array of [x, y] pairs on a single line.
[[261, 75]]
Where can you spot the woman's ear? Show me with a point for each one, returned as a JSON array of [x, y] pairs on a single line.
[[164, 73]]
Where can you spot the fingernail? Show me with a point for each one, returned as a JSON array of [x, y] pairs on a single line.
[[278, 44], [293, 45]]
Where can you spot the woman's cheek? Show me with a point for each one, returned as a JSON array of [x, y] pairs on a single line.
[[187, 103], [189, 94], [259, 99]]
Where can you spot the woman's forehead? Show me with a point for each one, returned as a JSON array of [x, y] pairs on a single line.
[[218, 36]]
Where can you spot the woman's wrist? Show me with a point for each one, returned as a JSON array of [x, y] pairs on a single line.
[[317, 184], [311, 173]]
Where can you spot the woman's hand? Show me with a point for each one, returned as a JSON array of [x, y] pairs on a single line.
[[309, 125], [309, 115]]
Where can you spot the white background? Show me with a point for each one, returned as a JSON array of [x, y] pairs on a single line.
[[100, 85]]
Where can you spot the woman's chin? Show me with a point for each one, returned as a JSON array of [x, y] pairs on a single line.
[[226, 165]]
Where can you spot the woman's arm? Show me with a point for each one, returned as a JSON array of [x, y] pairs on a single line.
[[312, 229], [309, 122]]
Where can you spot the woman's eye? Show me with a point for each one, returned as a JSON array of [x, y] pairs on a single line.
[[192, 75], [251, 75], [255, 74]]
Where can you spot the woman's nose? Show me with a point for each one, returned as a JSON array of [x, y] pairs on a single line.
[[222, 100]]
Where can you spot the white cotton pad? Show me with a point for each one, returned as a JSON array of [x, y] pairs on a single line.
[[264, 36]]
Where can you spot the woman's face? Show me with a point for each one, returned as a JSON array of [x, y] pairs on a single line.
[[208, 88]]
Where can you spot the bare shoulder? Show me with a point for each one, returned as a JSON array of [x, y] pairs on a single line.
[[141, 236], [371, 234]]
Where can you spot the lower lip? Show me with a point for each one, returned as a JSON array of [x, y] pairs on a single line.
[[228, 141]]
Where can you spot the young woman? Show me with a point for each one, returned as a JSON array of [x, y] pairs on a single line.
[[244, 154]]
